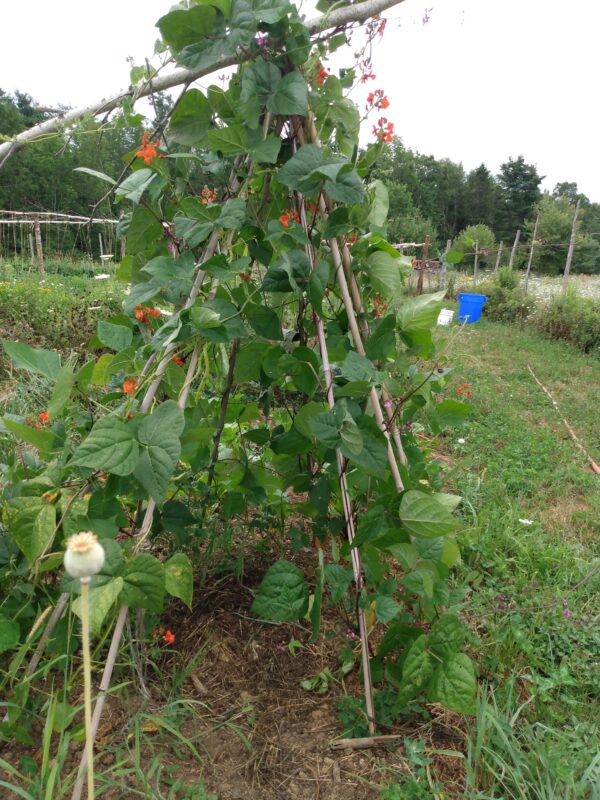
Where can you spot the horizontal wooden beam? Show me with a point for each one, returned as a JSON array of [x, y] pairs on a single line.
[[358, 12]]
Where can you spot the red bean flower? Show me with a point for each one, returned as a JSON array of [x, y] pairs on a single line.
[[322, 75], [169, 637], [208, 195], [377, 99], [147, 150], [42, 419], [384, 130], [365, 68], [130, 385], [379, 305], [289, 215], [143, 314]]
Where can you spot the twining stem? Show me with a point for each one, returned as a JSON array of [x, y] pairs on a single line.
[[351, 313], [364, 325], [87, 683], [214, 457]]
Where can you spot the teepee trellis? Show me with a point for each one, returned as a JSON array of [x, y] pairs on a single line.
[[155, 368]]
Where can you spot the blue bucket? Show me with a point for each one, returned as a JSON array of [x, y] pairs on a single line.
[[470, 307]]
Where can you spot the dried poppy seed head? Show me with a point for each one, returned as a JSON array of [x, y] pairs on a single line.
[[84, 555]]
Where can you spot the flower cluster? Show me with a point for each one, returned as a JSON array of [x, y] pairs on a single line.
[[379, 305], [179, 361], [376, 26], [377, 99], [384, 130], [208, 196], [247, 276], [130, 385], [148, 149], [143, 314], [465, 388], [365, 68], [288, 215], [167, 636], [42, 420]]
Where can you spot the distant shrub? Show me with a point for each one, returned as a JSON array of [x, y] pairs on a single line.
[[506, 301], [507, 278], [573, 318], [465, 242]]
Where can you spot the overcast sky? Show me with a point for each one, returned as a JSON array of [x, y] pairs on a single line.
[[481, 81]]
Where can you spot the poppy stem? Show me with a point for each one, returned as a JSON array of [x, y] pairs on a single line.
[[87, 682]]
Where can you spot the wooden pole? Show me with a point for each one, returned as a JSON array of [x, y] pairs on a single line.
[[498, 257], [101, 247], [38, 245], [31, 248], [567, 271], [424, 261], [514, 249], [476, 263], [533, 238]]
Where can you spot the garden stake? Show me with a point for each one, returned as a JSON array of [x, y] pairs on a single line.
[[346, 501], [84, 557], [571, 250], [593, 465], [533, 240]]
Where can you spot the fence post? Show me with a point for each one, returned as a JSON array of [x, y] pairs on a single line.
[[533, 238], [476, 264], [444, 267], [567, 271], [31, 248], [514, 249], [37, 232], [498, 257]]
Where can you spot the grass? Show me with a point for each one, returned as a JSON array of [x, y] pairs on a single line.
[[531, 561]]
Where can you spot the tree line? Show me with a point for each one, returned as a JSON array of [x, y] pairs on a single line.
[[428, 196], [437, 197]]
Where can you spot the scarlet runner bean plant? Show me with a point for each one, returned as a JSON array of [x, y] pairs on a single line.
[[248, 306]]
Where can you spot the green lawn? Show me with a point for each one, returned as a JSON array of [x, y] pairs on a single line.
[[531, 560]]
